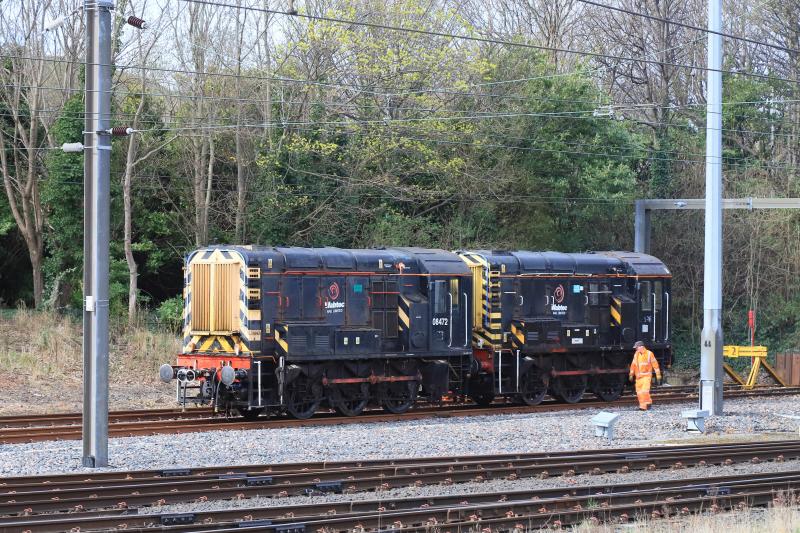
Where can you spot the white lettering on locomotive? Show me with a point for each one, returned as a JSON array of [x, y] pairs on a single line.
[[334, 307]]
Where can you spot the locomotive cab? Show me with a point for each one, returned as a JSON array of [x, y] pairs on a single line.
[[296, 329]]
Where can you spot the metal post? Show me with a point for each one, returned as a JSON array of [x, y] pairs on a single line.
[[97, 204], [711, 337], [641, 228]]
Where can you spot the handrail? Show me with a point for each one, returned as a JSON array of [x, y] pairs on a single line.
[[466, 320], [450, 344], [655, 314]]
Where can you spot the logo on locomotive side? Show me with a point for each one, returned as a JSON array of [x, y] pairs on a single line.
[[558, 294], [331, 306], [333, 291]]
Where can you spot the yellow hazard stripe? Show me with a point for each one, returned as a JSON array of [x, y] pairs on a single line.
[[616, 316], [281, 342], [403, 317], [206, 345]]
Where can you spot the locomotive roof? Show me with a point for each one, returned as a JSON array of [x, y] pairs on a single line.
[[390, 260], [524, 262], [639, 263], [434, 261]]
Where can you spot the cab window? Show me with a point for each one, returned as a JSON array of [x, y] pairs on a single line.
[[658, 295], [645, 296], [439, 297]]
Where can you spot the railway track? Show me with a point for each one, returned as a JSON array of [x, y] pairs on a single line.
[[142, 415], [77, 501], [33, 428], [22, 429]]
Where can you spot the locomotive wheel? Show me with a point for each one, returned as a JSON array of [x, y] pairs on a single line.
[[303, 397], [252, 414], [399, 396], [534, 388], [609, 387], [569, 388], [349, 400]]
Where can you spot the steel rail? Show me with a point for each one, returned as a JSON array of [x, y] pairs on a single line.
[[193, 425], [377, 478], [104, 478], [372, 514], [525, 516], [556, 512], [52, 419], [64, 419]]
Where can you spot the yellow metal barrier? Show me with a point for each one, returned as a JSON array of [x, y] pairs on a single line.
[[758, 357]]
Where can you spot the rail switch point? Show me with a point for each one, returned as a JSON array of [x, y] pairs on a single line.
[[695, 420], [604, 424]]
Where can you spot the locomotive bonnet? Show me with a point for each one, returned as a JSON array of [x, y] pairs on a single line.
[[293, 329]]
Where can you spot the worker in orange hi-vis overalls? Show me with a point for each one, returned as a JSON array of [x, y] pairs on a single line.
[[642, 367]]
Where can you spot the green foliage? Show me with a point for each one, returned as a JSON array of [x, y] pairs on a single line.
[[7, 223], [392, 228], [572, 178], [170, 313], [426, 141], [62, 194]]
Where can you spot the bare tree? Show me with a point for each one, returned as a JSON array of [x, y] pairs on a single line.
[[550, 23], [30, 106], [134, 158], [194, 39]]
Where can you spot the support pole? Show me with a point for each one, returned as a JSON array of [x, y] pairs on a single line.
[[711, 372], [97, 204], [641, 227]]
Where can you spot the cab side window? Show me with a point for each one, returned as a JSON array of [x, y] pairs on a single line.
[[658, 295], [440, 293], [645, 296]]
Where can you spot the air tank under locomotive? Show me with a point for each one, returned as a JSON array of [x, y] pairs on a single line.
[[291, 329]]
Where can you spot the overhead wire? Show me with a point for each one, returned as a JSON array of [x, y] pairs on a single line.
[[652, 155], [689, 26], [487, 40], [566, 114], [599, 103]]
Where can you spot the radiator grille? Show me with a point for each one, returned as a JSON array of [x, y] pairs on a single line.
[[215, 297], [322, 341]]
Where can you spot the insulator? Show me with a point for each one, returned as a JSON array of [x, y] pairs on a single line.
[[72, 147], [121, 131], [136, 22]]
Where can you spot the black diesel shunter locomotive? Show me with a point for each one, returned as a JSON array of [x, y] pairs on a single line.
[[288, 329]]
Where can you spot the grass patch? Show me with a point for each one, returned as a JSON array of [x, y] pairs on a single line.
[[782, 516], [43, 345]]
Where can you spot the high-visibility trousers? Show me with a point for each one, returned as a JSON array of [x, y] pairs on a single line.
[[643, 391]]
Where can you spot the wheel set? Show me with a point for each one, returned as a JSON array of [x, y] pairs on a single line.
[[304, 396]]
